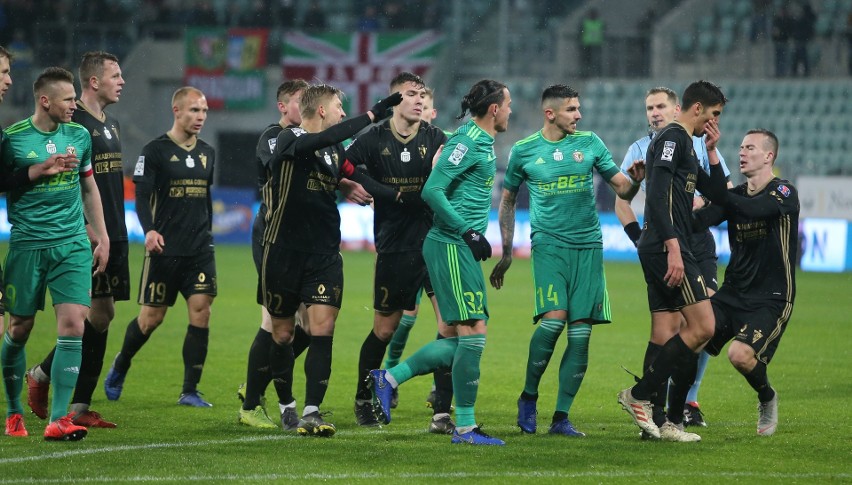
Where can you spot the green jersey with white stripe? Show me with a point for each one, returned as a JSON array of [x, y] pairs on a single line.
[[50, 212], [560, 181], [459, 187]]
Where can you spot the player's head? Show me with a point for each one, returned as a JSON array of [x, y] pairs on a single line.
[[758, 151], [413, 90], [5, 71], [54, 94], [323, 101], [488, 98], [289, 96], [429, 112], [100, 74], [189, 106], [561, 106], [661, 107], [703, 101]]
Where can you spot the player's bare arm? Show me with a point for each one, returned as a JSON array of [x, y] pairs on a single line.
[[94, 212], [506, 217]]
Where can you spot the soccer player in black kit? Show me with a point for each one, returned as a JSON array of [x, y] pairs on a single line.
[[675, 284], [301, 241], [754, 303], [398, 153], [102, 83], [173, 177]]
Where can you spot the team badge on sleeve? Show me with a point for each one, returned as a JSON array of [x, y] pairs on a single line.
[[140, 167], [784, 190], [668, 150], [272, 142], [458, 154]]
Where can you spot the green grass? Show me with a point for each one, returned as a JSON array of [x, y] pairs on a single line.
[[159, 441]]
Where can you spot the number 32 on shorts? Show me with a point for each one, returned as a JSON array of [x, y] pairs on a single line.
[[474, 301]]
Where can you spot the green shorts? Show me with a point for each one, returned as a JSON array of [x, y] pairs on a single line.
[[65, 270], [457, 281], [572, 280]]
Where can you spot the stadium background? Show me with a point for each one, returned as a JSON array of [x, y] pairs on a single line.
[[238, 52]]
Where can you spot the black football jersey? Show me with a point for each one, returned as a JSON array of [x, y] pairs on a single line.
[[106, 163], [403, 163], [178, 179]]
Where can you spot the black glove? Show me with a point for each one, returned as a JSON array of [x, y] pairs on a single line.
[[412, 201], [634, 232], [479, 246], [381, 110]]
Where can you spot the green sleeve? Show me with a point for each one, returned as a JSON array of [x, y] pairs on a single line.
[[603, 160], [455, 159]]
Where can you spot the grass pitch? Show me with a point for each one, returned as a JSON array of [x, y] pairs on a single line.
[[159, 441]]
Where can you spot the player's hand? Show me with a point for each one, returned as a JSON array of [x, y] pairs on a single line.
[[711, 134], [154, 242], [634, 232], [637, 171], [381, 110], [412, 201], [479, 246], [57, 163], [100, 256], [437, 155], [697, 202], [354, 192], [674, 274], [499, 271]]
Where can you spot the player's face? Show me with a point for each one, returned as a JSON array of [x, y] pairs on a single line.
[[501, 119], [5, 76], [660, 110], [111, 83], [333, 111], [61, 102], [755, 154], [191, 113], [429, 112], [290, 109], [567, 115], [411, 107], [708, 113]]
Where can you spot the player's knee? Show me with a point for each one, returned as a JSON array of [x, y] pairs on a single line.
[[741, 357]]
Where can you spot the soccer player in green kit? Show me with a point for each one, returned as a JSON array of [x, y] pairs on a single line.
[[459, 193], [567, 251], [49, 247]]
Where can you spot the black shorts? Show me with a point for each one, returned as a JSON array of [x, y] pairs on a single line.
[[288, 277], [399, 279], [164, 276], [756, 323], [703, 248], [115, 281], [660, 296]]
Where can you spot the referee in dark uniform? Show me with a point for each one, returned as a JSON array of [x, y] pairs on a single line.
[[301, 240], [173, 177], [398, 153]]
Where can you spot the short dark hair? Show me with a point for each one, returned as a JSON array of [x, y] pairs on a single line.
[[289, 88], [5, 53], [772, 139], [704, 92], [313, 96], [92, 64], [482, 95], [50, 76], [669, 92], [406, 77], [556, 92]]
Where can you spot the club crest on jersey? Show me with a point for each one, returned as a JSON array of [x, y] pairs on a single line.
[[668, 150], [422, 149], [190, 162], [578, 156], [203, 159], [327, 158], [71, 150], [405, 156], [272, 142], [107, 134], [458, 154], [558, 156], [50, 147], [784, 190], [140, 167]]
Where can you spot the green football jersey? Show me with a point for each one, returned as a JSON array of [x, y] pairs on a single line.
[[560, 181], [459, 187], [50, 212]]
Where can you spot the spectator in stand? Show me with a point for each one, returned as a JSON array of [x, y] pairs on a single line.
[[759, 19], [369, 20], [802, 32], [315, 18], [781, 25], [591, 43]]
